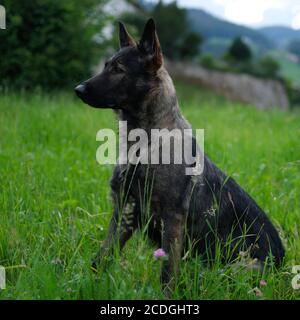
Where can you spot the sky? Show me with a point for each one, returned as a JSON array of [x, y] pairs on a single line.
[[253, 13]]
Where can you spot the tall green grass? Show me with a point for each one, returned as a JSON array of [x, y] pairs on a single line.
[[55, 200]]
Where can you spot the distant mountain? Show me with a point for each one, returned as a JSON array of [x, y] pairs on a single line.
[[218, 33], [280, 35], [211, 27]]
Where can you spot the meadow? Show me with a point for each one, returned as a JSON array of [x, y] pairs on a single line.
[[55, 200], [288, 68]]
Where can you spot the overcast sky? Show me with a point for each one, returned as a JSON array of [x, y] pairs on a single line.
[[254, 13]]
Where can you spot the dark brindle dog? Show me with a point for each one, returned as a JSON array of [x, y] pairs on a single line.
[[209, 212]]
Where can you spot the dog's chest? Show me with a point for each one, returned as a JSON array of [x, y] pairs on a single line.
[[128, 178]]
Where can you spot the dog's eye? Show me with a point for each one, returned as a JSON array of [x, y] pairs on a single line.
[[118, 68], [105, 64]]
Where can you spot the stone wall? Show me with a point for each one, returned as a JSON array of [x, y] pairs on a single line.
[[263, 93]]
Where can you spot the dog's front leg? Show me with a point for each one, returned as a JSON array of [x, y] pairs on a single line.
[[172, 243], [106, 245], [122, 225]]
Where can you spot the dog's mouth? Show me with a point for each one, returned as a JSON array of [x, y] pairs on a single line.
[[102, 106], [110, 104]]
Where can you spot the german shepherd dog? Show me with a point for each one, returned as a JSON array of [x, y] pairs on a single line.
[[212, 212]]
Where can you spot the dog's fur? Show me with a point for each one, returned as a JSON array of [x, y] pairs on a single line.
[[209, 211]]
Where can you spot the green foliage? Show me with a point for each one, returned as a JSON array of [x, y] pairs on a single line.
[[269, 67], [207, 61], [294, 47], [293, 92], [266, 67], [239, 50], [55, 204], [190, 45], [238, 59], [48, 43]]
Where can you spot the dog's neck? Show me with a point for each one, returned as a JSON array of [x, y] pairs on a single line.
[[159, 110]]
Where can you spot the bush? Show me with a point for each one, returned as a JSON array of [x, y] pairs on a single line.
[[207, 61], [292, 92], [48, 43], [269, 67]]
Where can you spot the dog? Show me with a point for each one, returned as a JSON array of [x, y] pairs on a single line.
[[209, 211]]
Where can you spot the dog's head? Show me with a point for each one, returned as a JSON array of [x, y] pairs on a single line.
[[127, 75]]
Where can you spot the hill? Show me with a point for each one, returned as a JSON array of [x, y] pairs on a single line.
[[280, 35], [211, 27]]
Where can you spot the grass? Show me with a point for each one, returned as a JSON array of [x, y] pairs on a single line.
[[55, 204]]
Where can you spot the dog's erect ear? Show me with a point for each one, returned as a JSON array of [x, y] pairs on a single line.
[[150, 46], [124, 37]]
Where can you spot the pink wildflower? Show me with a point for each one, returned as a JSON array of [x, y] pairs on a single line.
[[262, 283], [159, 253]]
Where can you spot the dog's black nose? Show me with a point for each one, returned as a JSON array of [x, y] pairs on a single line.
[[80, 90]]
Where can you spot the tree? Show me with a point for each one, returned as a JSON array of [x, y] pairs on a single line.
[[48, 43], [239, 51], [190, 45], [294, 47], [177, 41]]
